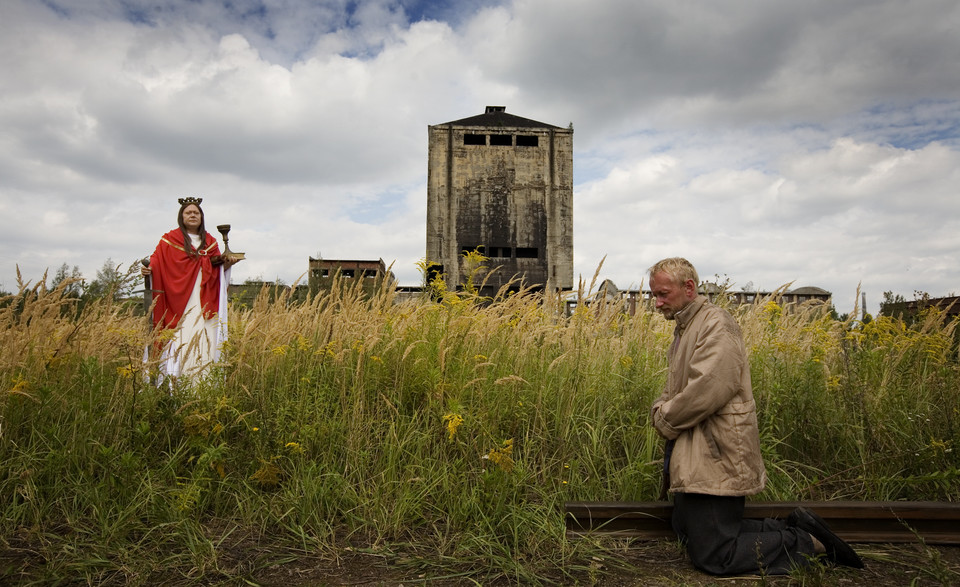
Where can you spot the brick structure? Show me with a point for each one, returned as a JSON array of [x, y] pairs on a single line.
[[370, 274]]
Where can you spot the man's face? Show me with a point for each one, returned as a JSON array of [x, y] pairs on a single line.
[[671, 297]]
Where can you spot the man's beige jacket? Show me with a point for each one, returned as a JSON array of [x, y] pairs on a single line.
[[707, 407]]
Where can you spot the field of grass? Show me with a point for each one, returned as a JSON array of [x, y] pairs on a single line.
[[452, 430]]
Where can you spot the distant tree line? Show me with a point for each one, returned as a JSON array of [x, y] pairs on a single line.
[[122, 286], [897, 306]]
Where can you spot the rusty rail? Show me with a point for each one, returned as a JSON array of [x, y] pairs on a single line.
[[855, 521]]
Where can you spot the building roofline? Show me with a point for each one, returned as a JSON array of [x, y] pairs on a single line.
[[496, 116], [311, 259]]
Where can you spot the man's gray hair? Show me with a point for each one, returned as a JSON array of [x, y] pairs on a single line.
[[678, 268]]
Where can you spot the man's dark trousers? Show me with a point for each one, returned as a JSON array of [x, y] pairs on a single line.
[[720, 542]]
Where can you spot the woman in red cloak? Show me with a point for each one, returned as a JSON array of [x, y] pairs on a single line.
[[189, 286]]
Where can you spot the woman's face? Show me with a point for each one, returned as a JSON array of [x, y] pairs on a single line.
[[192, 217]]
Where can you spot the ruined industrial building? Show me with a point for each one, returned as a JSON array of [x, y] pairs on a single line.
[[501, 185]]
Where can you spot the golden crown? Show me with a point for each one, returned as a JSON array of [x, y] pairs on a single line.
[[185, 201]]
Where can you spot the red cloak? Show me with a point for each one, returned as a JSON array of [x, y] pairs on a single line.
[[174, 273]]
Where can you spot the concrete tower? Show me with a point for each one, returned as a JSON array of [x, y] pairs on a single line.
[[504, 185]]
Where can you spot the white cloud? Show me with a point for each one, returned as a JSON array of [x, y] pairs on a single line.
[[814, 142], [829, 217]]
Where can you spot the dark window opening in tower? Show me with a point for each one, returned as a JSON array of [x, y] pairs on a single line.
[[471, 139], [501, 140], [528, 141], [527, 253], [499, 252]]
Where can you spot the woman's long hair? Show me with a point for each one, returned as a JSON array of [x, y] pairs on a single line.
[[187, 244]]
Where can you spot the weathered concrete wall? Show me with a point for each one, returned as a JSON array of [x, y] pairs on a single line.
[[515, 201]]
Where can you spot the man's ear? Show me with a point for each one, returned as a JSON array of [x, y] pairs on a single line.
[[691, 288]]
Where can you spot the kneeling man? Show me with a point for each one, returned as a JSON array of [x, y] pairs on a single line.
[[712, 459]]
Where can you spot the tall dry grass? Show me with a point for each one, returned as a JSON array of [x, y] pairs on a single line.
[[460, 427]]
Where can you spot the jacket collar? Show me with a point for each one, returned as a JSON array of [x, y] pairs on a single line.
[[684, 316]]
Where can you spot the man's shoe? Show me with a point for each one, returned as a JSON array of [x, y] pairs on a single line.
[[838, 551]]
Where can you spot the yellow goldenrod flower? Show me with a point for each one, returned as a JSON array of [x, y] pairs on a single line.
[[20, 384], [503, 456], [327, 350], [772, 310], [268, 476], [453, 422]]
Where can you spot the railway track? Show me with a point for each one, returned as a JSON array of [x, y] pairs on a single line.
[[854, 521]]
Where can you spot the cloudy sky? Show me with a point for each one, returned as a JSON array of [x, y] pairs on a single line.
[[813, 142]]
